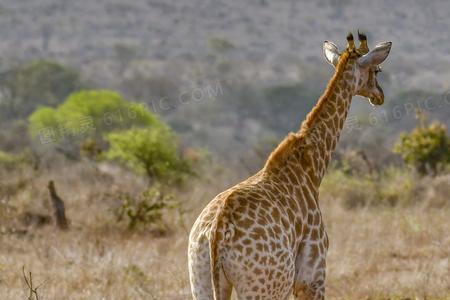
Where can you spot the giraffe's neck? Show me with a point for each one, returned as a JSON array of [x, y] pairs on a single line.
[[321, 131], [307, 153]]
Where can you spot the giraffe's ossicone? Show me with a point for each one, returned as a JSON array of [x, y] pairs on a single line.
[[265, 236]]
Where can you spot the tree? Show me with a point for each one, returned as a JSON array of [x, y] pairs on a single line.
[[427, 147], [44, 117], [152, 151], [89, 114], [145, 209], [37, 83]]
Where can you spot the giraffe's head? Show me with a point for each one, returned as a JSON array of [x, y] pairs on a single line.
[[364, 65]]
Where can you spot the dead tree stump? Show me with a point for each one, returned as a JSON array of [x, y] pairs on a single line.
[[58, 206]]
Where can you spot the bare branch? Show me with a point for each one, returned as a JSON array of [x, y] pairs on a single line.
[[29, 282]]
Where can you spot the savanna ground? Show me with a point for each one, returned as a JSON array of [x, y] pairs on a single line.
[[376, 252]]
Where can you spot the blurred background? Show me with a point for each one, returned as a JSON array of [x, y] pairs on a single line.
[[141, 111]]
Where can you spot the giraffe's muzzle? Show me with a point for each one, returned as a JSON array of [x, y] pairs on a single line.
[[376, 101]]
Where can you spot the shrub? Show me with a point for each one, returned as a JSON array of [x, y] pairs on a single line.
[[152, 151], [427, 147], [146, 209]]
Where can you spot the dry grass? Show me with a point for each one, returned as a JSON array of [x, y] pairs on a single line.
[[94, 265], [382, 253], [377, 254]]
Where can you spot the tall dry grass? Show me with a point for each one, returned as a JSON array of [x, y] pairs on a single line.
[[380, 252]]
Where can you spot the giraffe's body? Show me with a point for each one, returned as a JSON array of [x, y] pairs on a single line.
[[262, 238], [265, 236]]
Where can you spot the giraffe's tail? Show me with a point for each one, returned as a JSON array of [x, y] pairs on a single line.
[[216, 242], [215, 257]]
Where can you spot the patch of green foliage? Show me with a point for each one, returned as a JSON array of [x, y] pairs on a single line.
[[426, 148], [44, 117], [152, 151], [90, 114]]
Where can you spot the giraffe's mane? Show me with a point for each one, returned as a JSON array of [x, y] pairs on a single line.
[[293, 139]]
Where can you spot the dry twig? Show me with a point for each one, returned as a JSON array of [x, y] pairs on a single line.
[[29, 282]]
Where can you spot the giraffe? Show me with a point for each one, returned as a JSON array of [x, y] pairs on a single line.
[[265, 236]]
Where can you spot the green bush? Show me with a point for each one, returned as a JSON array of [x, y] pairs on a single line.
[[427, 147], [152, 151], [37, 83], [88, 114]]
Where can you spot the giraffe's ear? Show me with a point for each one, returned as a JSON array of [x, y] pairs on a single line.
[[331, 53], [375, 56]]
